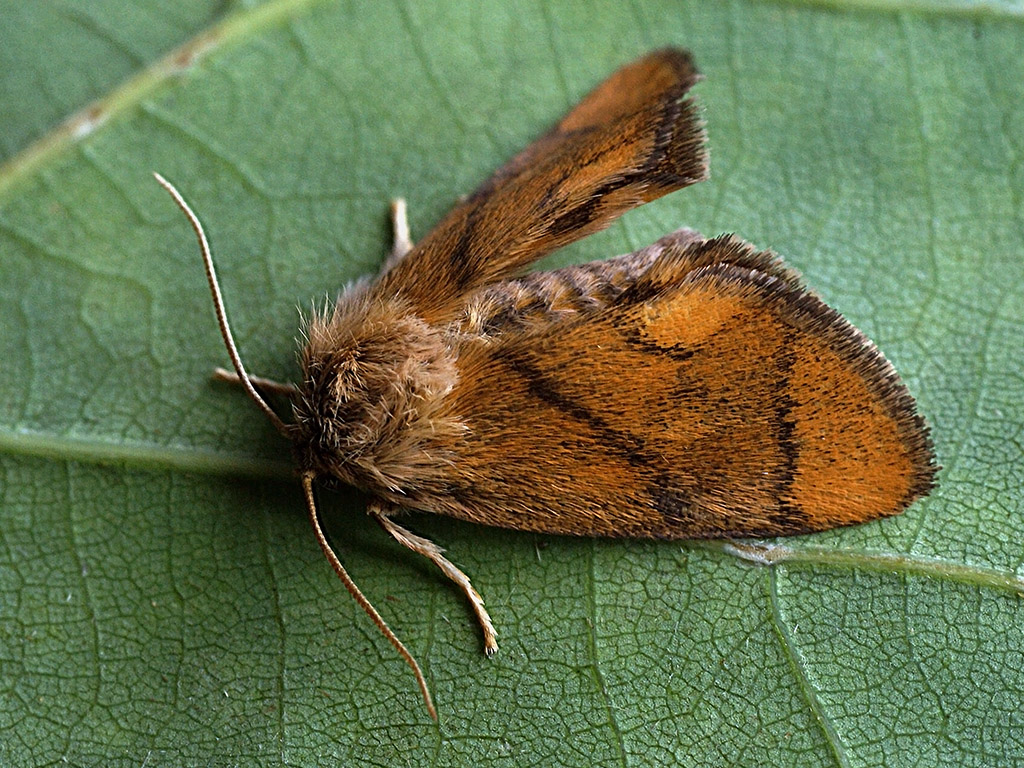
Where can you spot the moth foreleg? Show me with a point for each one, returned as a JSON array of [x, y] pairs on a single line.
[[267, 385], [430, 550], [401, 242]]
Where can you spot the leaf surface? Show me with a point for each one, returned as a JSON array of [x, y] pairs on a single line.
[[161, 600]]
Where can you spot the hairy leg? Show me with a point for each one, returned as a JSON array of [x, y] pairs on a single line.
[[430, 550]]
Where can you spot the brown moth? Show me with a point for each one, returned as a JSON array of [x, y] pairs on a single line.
[[691, 389]]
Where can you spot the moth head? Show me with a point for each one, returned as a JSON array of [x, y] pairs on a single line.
[[374, 378]]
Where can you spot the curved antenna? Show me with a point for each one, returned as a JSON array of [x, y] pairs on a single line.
[[218, 306], [314, 518]]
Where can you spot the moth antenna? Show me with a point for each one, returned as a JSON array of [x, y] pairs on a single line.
[[218, 306], [314, 518]]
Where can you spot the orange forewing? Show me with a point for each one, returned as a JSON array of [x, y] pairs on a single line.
[[713, 396], [632, 140]]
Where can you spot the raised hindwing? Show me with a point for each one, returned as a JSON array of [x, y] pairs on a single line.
[[632, 140]]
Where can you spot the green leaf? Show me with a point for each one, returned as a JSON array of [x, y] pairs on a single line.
[[161, 599]]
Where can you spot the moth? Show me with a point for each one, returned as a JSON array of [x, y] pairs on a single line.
[[694, 388]]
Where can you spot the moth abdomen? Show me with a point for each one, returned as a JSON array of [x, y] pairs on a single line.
[[541, 298]]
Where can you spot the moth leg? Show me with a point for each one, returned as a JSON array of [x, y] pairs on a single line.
[[401, 242], [430, 550], [267, 385]]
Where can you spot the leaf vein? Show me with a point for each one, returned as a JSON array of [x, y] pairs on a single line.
[[796, 663]]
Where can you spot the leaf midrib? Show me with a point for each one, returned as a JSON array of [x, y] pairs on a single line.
[[130, 93], [92, 450], [146, 456]]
